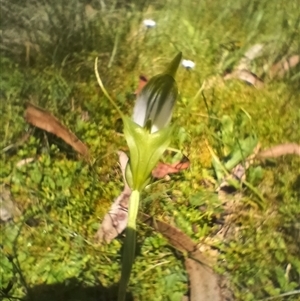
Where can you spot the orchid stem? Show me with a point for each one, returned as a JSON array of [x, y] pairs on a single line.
[[129, 244]]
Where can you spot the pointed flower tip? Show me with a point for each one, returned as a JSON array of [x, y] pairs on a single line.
[[173, 66], [149, 23]]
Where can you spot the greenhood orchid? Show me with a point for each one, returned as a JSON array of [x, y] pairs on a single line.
[[148, 136]]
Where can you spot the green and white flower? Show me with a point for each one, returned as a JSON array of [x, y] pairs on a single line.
[[147, 136], [156, 101]]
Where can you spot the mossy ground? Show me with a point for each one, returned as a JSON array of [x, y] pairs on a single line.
[[49, 253]]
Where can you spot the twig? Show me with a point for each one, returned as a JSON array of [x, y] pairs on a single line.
[[296, 292], [23, 139]]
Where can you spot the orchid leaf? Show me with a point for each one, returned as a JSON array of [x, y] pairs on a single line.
[[244, 149], [218, 167], [145, 150]]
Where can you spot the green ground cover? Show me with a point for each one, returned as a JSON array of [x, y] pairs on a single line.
[[48, 252]]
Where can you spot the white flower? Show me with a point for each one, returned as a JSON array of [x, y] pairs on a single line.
[[188, 64], [149, 23]]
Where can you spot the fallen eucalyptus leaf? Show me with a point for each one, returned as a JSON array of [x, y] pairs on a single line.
[[47, 122], [245, 76], [280, 150], [284, 66], [163, 169]]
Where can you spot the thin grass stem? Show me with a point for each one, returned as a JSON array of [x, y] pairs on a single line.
[[103, 88]]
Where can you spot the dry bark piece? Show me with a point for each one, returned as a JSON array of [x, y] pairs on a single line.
[[280, 150], [243, 67], [203, 282], [44, 120], [252, 53]]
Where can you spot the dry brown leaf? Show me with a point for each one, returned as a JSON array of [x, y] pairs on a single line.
[[284, 66], [163, 169], [280, 150], [245, 76], [115, 221], [142, 82], [47, 122]]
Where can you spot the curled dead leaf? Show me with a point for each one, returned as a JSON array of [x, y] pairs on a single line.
[[115, 221]]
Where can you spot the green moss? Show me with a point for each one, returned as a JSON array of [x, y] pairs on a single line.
[[50, 250]]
